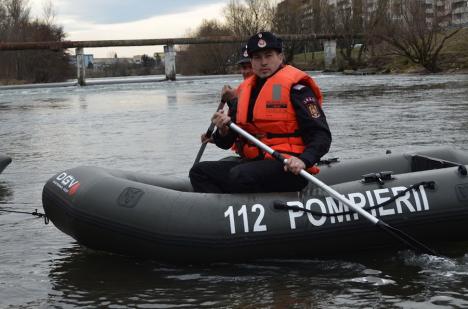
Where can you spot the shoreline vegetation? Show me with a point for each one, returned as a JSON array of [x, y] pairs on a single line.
[[380, 42], [453, 58], [395, 66]]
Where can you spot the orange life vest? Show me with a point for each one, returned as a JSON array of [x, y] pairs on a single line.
[[274, 120]]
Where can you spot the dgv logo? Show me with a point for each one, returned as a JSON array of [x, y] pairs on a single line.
[[67, 183]]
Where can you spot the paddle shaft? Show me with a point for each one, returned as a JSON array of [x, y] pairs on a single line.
[[209, 131], [303, 173], [400, 235]]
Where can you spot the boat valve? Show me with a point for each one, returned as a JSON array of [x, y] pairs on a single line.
[[328, 161], [377, 177]]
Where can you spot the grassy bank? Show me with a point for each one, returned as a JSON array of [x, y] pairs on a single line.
[[453, 58], [7, 82]]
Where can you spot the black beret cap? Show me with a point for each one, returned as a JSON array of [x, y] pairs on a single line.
[[263, 41], [244, 56]]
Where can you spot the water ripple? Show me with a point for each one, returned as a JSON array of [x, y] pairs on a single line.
[[155, 128]]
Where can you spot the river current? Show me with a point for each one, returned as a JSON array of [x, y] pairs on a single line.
[[155, 128]]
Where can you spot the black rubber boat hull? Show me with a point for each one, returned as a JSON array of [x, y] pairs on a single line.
[[4, 162], [159, 217]]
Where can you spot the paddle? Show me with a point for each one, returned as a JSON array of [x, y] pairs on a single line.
[[208, 134], [396, 233]]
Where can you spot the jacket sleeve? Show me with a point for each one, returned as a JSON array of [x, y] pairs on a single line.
[[226, 142], [312, 124]]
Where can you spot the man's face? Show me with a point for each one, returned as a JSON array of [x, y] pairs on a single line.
[[266, 62], [245, 69]]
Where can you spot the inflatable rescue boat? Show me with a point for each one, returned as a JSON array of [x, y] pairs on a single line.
[[424, 194], [4, 161]]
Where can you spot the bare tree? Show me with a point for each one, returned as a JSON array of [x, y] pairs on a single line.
[[208, 58], [17, 18], [31, 66], [3, 15], [48, 12], [288, 19], [248, 17], [411, 32], [242, 18], [327, 17], [18, 11], [349, 24], [111, 54]]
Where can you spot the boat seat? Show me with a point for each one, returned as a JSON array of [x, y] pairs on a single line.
[[423, 163]]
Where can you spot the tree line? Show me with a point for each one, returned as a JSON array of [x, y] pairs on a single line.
[[123, 67], [387, 28], [17, 25]]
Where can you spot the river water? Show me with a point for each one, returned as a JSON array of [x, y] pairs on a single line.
[[155, 128]]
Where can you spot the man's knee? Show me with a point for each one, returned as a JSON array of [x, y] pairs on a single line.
[[197, 172], [240, 180]]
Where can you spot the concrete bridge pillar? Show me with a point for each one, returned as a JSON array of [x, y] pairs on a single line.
[[169, 62], [329, 48], [80, 66]]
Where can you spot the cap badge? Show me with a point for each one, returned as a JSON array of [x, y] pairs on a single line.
[[260, 35], [261, 43], [246, 54]]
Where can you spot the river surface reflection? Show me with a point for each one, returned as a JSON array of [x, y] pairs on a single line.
[[155, 128]]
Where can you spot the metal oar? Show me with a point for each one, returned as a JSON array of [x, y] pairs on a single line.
[[208, 134], [396, 233]]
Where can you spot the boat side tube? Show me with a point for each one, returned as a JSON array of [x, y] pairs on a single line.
[[399, 163], [4, 161], [106, 210]]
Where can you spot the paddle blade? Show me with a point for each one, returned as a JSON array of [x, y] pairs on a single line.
[[405, 238]]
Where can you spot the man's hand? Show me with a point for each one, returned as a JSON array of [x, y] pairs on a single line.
[[228, 93], [205, 139], [294, 165], [220, 120]]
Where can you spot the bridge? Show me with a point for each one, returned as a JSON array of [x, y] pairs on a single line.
[[329, 43]]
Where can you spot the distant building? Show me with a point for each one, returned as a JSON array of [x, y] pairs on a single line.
[[455, 12], [104, 62], [88, 59], [460, 13], [137, 59]]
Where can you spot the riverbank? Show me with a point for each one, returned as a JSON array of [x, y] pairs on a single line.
[[453, 58], [110, 81]]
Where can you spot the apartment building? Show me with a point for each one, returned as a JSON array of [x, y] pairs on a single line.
[[459, 11], [456, 11]]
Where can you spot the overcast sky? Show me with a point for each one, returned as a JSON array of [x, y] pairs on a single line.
[[129, 19]]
